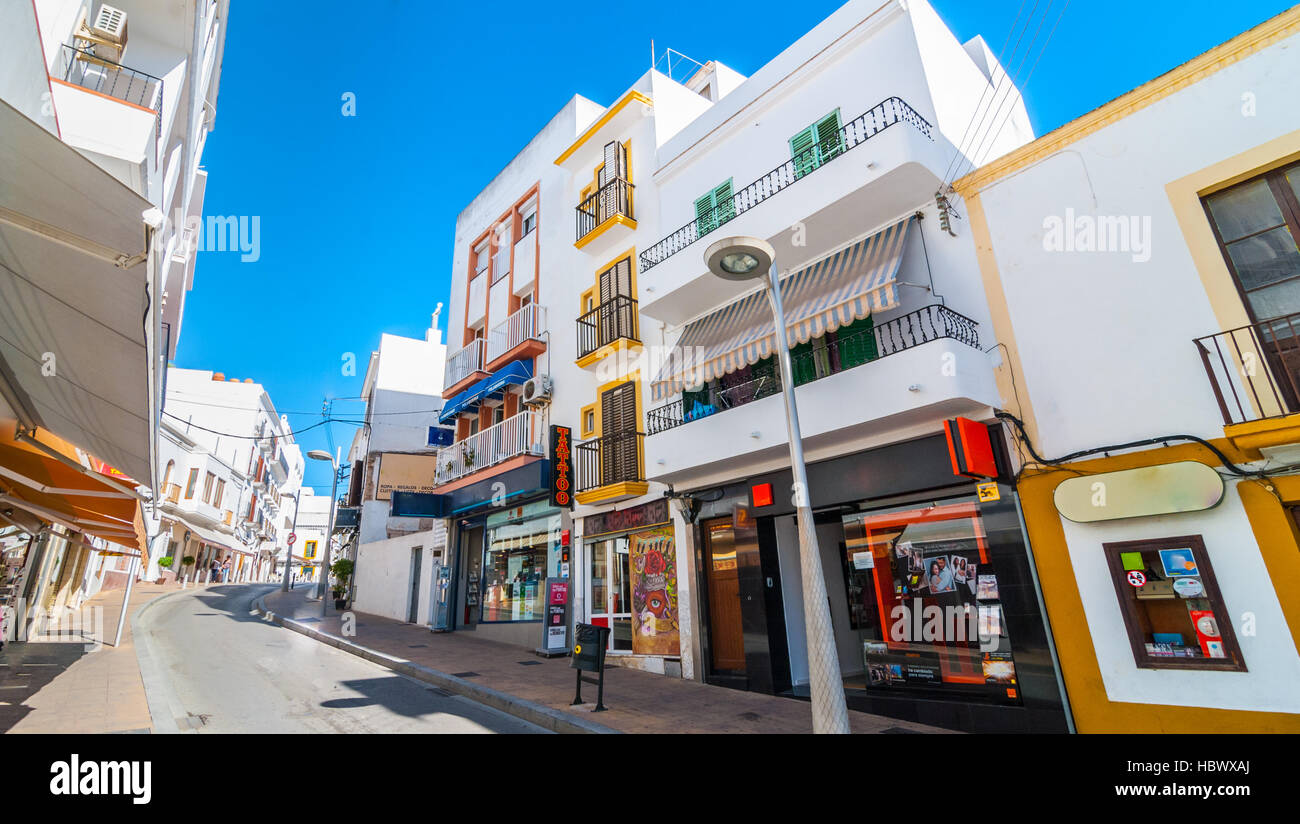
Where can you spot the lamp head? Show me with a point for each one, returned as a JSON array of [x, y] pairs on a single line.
[[740, 258], [320, 455]]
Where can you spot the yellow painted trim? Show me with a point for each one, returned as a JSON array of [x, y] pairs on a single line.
[[585, 431], [610, 222], [1013, 388], [1094, 712], [1185, 195], [623, 102], [1198, 68], [608, 349], [623, 489], [1265, 433]]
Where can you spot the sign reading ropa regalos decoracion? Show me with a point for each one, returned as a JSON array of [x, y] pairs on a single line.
[[561, 467]]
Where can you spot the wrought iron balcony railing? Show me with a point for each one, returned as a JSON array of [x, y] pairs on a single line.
[[614, 198], [465, 362], [1254, 370], [614, 319], [98, 74], [610, 459], [867, 125], [905, 332]]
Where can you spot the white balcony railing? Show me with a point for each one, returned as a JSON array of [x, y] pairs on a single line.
[[523, 434], [465, 363], [526, 324]]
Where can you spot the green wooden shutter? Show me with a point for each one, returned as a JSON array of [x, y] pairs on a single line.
[[714, 209], [830, 141], [705, 217], [803, 148], [856, 343], [723, 203], [803, 367]]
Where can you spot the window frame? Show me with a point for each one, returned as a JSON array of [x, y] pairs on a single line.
[[1234, 661], [191, 483], [1288, 203]]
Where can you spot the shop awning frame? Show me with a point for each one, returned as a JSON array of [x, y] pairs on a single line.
[[516, 373], [845, 286]]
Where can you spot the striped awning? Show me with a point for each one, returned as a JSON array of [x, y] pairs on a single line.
[[835, 291]]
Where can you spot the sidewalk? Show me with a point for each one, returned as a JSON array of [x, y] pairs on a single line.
[[62, 688], [638, 702]]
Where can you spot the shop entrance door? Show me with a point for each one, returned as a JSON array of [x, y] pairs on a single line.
[[469, 576], [610, 591], [726, 628], [413, 611]]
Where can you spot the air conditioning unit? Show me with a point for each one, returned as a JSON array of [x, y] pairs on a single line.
[[537, 390], [110, 24]]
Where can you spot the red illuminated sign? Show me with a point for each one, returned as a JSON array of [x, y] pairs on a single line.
[[970, 448], [561, 467], [761, 495]]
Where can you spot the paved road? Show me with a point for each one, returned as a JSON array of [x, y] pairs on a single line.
[[218, 668]]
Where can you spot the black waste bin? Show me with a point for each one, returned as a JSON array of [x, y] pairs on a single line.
[[589, 646]]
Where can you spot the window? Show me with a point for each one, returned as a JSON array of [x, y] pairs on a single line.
[[1172, 608], [501, 260], [208, 480], [190, 484], [498, 415], [519, 556], [528, 224], [219, 492], [715, 208], [589, 421], [817, 144], [1257, 224], [482, 259], [309, 550]]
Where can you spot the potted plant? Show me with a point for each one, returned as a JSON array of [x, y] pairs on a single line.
[[342, 572]]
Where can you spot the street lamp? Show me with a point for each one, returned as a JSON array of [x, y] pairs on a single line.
[[288, 553], [322, 455], [745, 259]]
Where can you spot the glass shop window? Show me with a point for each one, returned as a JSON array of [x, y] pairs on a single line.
[[924, 603], [1173, 611], [518, 559]]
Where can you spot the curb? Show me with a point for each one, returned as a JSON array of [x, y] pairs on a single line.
[[161, 712], [543, 716]]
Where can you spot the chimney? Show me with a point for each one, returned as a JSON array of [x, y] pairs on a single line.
[[434, 335]]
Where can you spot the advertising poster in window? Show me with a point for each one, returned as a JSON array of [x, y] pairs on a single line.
[[655, 630]]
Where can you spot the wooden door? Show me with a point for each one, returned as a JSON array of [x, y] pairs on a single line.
[[726, 632], [618, 451], [616, 316]]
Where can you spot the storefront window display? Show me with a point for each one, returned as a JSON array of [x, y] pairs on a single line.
[[653, 567], [1173, 611], [523, 549], [924, 601]]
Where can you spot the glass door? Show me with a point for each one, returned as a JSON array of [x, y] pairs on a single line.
[[609, 592]]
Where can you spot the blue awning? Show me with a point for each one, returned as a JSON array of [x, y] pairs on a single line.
[[516, 372]]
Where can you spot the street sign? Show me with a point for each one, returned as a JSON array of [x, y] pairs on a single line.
[[293, 536], [1136, 578]]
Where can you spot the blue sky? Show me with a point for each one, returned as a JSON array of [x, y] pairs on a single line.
[[358, 213]]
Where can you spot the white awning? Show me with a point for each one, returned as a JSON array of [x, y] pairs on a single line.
[[835, 291], [73, 354]]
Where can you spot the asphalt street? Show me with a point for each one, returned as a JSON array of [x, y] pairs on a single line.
[[214, 666]]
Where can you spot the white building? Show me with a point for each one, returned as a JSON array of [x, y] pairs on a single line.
[[394, 452], [104, 110], [1147, 277], [583, 261], [231, 471]]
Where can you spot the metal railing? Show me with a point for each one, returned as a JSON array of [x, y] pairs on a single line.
[[523, 434], [614, 198], [926, 324], [610, 459], [867, 125], [1254, 370], [528, 323], [614, 319], [465, 362], [98, 74]]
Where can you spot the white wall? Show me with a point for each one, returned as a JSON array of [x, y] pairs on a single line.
[[383, 574]]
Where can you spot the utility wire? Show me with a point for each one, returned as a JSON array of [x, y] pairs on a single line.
[[264, 437]]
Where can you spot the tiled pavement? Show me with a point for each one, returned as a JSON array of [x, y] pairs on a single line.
[[637, 702], [62, 688]]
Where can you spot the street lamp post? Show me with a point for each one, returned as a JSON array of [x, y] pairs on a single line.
[[744, 259], [322, 455]]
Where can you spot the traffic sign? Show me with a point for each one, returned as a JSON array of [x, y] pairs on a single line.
[[1136, 578], [293, 536]]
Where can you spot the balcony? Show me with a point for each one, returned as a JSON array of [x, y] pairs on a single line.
[[890, 382], [519, 336], [901, 171], [522, 434], [464, 366], [1254, 371], [79, 67], [611, 467], [172, 493], [610, 205], [612, 321]]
